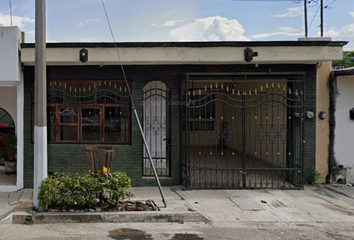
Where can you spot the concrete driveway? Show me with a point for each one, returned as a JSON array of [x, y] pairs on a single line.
[[313, 204]]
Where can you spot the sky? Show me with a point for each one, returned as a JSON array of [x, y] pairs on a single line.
[[182, 20]]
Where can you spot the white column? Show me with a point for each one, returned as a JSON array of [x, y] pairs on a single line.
[[40, 160], [20, 133], [40, 102]]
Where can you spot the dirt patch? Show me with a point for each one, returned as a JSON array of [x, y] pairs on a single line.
[[129, 234]]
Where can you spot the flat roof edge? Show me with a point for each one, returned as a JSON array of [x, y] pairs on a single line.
[[189, 44], [343, 72]]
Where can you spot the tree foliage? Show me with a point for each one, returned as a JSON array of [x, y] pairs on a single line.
[[347, 61]]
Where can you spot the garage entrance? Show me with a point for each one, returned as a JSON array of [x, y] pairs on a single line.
[[243, 130]]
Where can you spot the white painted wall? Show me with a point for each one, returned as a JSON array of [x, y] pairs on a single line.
[[11, 92], [185, 55], [10, 38], [8, 101], [344, 130]]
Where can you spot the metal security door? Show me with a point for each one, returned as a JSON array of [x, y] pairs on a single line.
[[156, 128], [243, 132]]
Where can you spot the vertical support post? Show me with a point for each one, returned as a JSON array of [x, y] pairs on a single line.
[[244, 141], [187, 126], [40, 104], [150, 158], [321, 9], [305, 17]]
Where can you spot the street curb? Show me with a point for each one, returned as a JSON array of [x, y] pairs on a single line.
[[6, 214], [108, 217]]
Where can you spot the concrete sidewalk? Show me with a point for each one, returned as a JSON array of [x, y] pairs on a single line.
[[321, 204], [177, 210], [11, 201]]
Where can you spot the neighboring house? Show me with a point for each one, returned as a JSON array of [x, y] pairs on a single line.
[[212, 119], [342, 126], [11, 97]]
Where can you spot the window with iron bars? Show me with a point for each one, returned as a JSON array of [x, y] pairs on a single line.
[[94, 111]]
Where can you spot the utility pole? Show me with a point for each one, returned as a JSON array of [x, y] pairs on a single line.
[[40, 101], [321, 6], [305, 16]]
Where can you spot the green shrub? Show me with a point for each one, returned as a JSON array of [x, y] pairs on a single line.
[[63, 190], [312, 177]]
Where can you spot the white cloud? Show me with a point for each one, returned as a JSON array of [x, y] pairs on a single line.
[[210, 29], [87, 39], [89, 20], [287, 31], [352, 14], [346, 33], [18, 21], [167, 23], [290, 12]]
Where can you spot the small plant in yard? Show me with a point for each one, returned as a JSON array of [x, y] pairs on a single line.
[[35, 209], [312, 177], [78, 191]]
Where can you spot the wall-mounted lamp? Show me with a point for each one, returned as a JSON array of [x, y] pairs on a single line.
[[310, 114], [322, 115], [83, 55], [351, 114], [249, 54]]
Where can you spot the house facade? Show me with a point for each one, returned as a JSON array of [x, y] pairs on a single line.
[[214, 114], [342, 124], [12, 101]]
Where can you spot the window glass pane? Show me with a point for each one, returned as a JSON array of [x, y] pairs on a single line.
[[55, 92], [91, 116], [90, 121], [68, 115], [91, 133], [68, 133], [115, 129], [51, 121]]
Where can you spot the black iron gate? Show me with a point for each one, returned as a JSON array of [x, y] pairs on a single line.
[[156, 128], [243, 131]]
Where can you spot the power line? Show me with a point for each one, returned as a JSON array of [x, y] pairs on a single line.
[[314, 16], [330, 3]]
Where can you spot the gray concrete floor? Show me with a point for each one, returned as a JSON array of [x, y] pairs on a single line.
[[311, 205], [7, 180]]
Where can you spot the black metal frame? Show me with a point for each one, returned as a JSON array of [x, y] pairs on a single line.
[[161, 126], [267, 142]]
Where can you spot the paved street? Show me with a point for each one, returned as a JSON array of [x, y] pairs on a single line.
[[179, 231]]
